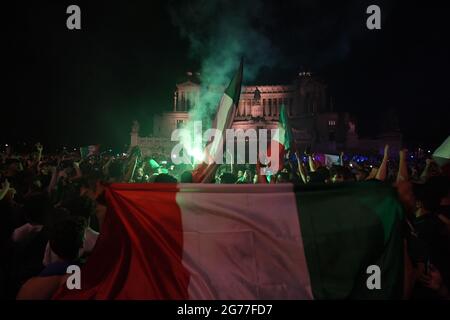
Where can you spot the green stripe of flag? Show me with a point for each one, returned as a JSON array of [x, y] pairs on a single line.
[[345, 229], [287, 128], [234, 88], [284, 133]]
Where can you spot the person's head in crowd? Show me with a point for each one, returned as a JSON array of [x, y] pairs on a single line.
[[324, 173], [36, 207], [360, 174], [66, 237], [186, 177], [67, 167], [115, 170], [255, 179], [165, 178], [63, 178], [70, 190], [35, 185], [220, 170], [140, 172], [91, 160], [244, 176], [414, 173], [227, 178], [445, 170], [89, 183], [445, 191], [282, 177], [81, 206], [33, 157], [12, 167], [429, 195], [44, 169], [440, 187], [434, 170], [247, 177], [337, 174], [91, 170], [140, 175], [321, 175]]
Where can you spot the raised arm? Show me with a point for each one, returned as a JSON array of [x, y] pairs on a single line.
[[402, 166], [39, 149], [312, 164], [372, 173], [341, 158], [76, 167], [105, 167], [5, 188], [53, 180], [426, 170], [301, 169], [131, 166], [382, 171]]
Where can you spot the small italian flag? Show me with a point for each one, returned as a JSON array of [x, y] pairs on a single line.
[[284, 136], [210, 241], [283, 141]]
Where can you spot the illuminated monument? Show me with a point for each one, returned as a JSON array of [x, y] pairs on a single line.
[[309, 107]]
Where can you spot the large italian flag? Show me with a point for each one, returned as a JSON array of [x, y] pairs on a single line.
[[223, 120], [208, 241]]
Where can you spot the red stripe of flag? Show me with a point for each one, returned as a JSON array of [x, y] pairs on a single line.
[[139, 251]]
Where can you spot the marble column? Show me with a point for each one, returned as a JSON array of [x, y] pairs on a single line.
[[175, 100]]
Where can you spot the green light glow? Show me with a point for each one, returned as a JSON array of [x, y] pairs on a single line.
[[197, 154]]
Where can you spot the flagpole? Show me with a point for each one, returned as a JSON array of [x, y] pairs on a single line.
[[232, 161]]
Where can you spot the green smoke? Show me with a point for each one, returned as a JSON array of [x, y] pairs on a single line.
[[220, 33]]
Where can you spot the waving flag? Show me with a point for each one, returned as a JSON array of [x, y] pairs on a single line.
[[283, 138], [209, 241], [204, 172], [442, 154]]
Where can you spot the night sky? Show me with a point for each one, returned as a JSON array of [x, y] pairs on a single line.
[[63, 87]]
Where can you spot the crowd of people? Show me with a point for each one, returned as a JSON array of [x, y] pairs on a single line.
[[52, 208]]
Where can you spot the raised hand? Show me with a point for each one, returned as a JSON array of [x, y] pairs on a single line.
[[386, 150], [39, 147], [402, 174], [6, 185], [62, 174], [403, 153]]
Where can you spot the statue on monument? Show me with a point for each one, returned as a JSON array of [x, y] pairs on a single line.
[[257, 95], [351, 127], [256, 108]]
